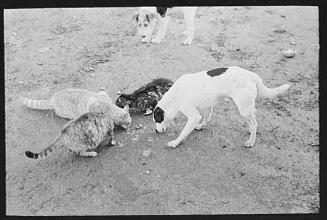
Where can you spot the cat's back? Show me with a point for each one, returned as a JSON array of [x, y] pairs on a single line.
[[88, 130], [72, 93], [154, 85], [73, 102], [97, 119]]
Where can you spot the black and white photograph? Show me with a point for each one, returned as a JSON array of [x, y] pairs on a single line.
[[181, 110]]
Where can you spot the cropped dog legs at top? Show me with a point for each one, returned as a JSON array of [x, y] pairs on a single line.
[[163, 23], [189, 23]]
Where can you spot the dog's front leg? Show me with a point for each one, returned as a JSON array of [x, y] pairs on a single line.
[[163, 23], [194, 119], [189, 17], [189, 127]]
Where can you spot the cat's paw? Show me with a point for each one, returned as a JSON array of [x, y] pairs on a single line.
[[148, 112], [93, 154], [88, 154], [113, 142]]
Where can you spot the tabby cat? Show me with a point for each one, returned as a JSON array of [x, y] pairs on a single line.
[[72, 103], [83, 135], [145, 98]]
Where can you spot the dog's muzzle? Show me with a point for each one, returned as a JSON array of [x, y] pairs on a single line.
[[160, 128], [143, 33]]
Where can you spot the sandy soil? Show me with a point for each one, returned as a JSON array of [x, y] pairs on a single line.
[[47, 50]]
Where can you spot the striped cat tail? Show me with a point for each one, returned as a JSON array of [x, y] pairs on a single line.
[[54, 146], [36, 104]]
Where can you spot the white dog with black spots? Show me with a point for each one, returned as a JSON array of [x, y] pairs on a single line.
[[192, 93]]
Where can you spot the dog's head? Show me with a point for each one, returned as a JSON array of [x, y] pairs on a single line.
[[163, 120], [145, 21], [159, 119]]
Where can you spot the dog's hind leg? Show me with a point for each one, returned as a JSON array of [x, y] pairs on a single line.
[[209, 118], [203, 121], [245, 101], [194, 118], [253, 130]]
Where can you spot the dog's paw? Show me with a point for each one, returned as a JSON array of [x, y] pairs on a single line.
[[145, 40], [173, 143], [156, 41], [249, 143], [187, 42], [199, 127]]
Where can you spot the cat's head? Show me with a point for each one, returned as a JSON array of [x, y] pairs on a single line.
[[125, 118], [124, 100]]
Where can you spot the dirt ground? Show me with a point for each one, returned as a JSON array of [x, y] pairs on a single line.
[[47, 50]]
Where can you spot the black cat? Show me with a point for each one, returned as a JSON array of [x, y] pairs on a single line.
[[145, 98]]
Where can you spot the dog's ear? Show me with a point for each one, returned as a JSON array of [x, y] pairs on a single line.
[[152, 15], [149, 17], [158, 115], [136, 17]]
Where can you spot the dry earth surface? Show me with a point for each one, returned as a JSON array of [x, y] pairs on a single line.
[[47, 50]]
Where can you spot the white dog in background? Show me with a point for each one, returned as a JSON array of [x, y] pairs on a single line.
[[192, 93], [147, 18]]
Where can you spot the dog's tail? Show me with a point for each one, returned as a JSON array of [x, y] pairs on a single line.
[[266, 92]]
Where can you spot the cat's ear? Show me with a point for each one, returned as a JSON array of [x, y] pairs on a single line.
[[126, 108]]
